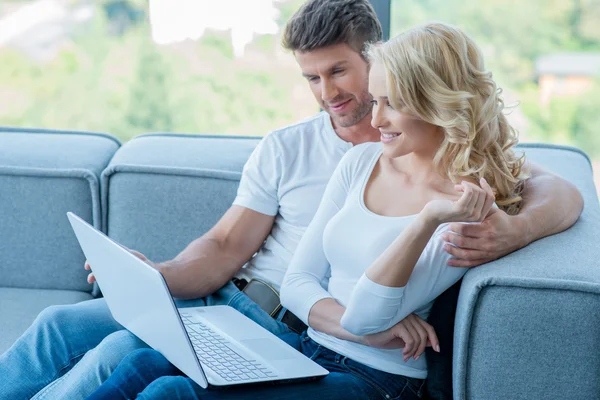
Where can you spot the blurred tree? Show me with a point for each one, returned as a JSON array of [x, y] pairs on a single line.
[[149, 108], [587, 121], [511, 33], [584, 22], [122, 15], [126, 85]]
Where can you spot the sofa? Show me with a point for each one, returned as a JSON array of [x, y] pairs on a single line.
[[527, 325]]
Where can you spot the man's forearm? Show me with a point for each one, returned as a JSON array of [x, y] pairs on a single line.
[[200, 269], [550, 205]]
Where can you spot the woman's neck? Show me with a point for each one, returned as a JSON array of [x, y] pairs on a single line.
[[419, 169]]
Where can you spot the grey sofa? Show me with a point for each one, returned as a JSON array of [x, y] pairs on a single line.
[[527, 326]]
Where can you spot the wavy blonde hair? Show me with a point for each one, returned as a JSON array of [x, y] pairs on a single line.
[[437, 72]]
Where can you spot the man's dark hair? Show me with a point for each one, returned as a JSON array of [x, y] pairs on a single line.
[[322, 23]]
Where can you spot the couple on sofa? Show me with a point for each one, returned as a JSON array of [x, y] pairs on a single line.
[[361, 216]]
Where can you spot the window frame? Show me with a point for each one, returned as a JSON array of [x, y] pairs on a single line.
[[383, 9]]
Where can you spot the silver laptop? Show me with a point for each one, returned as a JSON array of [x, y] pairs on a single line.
[[214, 345]]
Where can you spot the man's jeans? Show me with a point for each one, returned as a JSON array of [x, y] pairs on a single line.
[[49, 360], [147, 373]]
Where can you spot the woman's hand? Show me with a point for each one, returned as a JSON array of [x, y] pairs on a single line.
[[412, 334], [473, 205]]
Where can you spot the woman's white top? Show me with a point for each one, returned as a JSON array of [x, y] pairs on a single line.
[[341, 242]]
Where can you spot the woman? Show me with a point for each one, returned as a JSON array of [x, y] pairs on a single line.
[[377, 233]]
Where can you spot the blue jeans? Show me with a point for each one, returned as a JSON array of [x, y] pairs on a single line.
[[146, 374], [70, 350]]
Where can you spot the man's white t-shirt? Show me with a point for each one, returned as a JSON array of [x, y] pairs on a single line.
[[285, 177]]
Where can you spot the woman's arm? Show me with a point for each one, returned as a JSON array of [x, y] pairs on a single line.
[[382, 297], [550, 205], [412, 334], [302, 293], [301, 288]]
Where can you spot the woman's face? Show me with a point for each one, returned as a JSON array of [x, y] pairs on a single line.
[[402, 133]]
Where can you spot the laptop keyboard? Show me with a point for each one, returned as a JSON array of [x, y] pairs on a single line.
[[212, 351]]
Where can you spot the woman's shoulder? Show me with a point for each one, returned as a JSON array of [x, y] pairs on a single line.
[[361, 154], [356, 162]]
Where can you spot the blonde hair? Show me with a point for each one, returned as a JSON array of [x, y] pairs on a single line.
[[437, 72]]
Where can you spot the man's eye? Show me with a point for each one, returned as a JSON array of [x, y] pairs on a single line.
[[313, 79], [337, 71]]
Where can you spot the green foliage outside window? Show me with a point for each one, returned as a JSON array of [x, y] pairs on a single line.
[[110, 76]]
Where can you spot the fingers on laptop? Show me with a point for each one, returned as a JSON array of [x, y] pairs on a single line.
[[138, 255], [90, 278]]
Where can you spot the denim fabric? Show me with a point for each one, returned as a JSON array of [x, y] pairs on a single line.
[[93, 369], [61, 336], [58, 338], [146, 374]]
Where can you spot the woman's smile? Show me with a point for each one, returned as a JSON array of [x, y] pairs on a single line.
[[387, 137]]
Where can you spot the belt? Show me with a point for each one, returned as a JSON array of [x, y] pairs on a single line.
[[267, 299]]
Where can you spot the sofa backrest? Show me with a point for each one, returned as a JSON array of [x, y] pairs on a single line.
[[162, 191], [44, 174]]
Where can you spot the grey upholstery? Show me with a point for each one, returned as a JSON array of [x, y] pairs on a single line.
[[526, 325]]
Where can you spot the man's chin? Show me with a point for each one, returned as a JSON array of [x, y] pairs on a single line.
[[350, 117], [344, 120]]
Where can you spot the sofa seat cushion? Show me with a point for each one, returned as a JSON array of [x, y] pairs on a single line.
[[160, 192], [44, 174], [19, 307]]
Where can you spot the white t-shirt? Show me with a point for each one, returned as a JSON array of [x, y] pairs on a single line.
[[286, 176], [342, 241]]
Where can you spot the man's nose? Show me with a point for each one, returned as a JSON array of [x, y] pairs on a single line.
[[328, 90]]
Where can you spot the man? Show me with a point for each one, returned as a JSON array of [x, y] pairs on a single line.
[[70, 349]]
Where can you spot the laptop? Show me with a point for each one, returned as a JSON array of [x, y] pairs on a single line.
[[214, 345]]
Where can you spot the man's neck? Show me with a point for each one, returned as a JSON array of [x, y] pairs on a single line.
[[360, 133]]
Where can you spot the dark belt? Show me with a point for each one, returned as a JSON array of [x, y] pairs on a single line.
[[267, 299]]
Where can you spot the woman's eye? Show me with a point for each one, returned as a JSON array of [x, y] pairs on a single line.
[[374, 102]]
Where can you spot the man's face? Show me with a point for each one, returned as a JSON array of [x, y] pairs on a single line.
[[339, 79]]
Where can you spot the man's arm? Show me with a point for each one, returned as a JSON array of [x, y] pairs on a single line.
[[550, 205], [208, 262]]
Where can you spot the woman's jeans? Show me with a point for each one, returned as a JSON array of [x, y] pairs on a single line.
[[146, 374]]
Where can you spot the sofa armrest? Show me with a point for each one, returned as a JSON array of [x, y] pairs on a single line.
[[527, 325]]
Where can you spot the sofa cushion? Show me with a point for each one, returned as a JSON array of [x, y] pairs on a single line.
[[44, 174], [160, 192], [527, 324], [19, 307]]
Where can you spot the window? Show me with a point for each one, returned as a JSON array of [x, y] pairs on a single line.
[[527, 45], [200, 67]]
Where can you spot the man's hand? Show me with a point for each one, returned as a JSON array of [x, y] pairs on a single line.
[[91, 278], [474, 244], [412, 334]]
